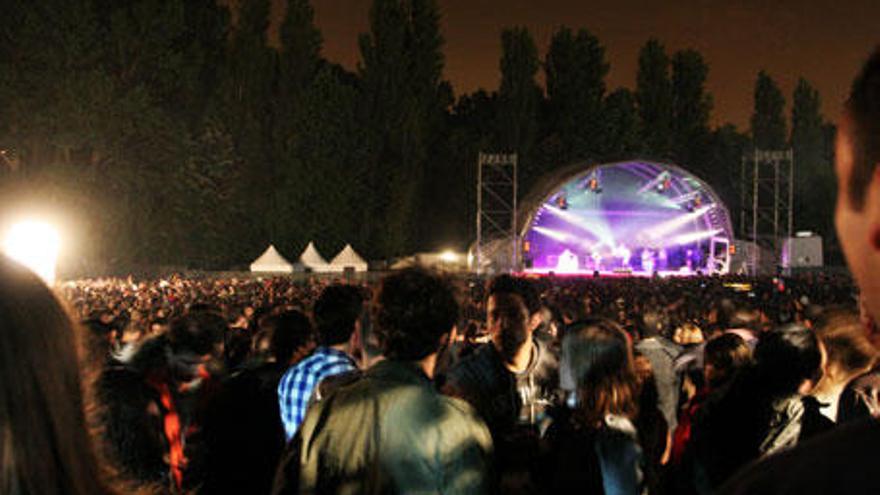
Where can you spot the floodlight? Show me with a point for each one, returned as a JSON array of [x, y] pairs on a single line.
[[34, 244], [448, 257]]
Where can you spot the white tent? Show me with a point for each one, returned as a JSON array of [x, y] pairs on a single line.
[[346, 258], [271, 261], [312, 260]]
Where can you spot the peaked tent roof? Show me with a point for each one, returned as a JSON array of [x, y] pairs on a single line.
[[313, 260], [271, 261], [348, 257]]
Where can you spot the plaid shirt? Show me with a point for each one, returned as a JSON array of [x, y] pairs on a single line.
[[298, 383]]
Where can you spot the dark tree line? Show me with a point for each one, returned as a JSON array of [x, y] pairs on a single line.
[[172, 132]]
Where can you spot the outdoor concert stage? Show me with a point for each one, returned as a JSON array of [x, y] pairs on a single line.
[[627, 219]]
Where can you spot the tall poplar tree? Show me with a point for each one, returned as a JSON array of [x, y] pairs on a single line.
[[518, 99], [298, 63], [403, 98], [621, 122], [768, 121], [655, 100], [245, 106], [324, 196], [575, 70], [814, 175], [691, 106]]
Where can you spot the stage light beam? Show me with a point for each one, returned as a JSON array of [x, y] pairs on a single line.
[[677, 222], [553, 234], [694, 236], [595, 229]]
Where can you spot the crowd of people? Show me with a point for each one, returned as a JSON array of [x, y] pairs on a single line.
[[428, 383], [461, 384]]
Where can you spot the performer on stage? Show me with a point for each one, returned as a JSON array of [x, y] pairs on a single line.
[[648, 261]]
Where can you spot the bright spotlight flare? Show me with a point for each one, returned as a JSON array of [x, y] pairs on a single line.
[[35, 245]]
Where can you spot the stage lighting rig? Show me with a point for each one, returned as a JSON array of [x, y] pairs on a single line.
[[661, 183], [593, 185], [562, 202], [665, 183]]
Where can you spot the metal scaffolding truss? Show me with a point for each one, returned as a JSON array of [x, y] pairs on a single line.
[[767, 206], [496, 209]]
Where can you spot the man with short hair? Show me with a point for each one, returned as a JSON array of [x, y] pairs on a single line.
[[511, 381], [337, 318], [843, 461], [389, 431]]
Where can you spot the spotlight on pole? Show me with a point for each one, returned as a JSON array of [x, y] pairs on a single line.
[[34, 244]]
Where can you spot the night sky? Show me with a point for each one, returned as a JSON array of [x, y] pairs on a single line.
[[822, 40]]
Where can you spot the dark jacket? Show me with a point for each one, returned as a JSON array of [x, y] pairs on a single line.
[[514, 406], [859, 398], [740, 425], [388, 432], [605, 460], [244, 436], [841, 461], [482, 379]]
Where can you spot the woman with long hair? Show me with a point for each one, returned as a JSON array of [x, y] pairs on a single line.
[[850, 354], [594, 447], [44, 443]]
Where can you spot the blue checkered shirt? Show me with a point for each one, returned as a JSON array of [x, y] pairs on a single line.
[[298, 383]]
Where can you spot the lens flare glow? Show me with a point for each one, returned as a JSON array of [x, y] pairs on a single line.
[[34, 244]]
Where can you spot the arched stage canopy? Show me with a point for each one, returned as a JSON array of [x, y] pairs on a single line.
[[631, 217]]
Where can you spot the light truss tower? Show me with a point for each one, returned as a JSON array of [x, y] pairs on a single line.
[[496, 210], [767, 206]]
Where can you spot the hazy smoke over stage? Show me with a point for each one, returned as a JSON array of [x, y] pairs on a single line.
[[631, 217]]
